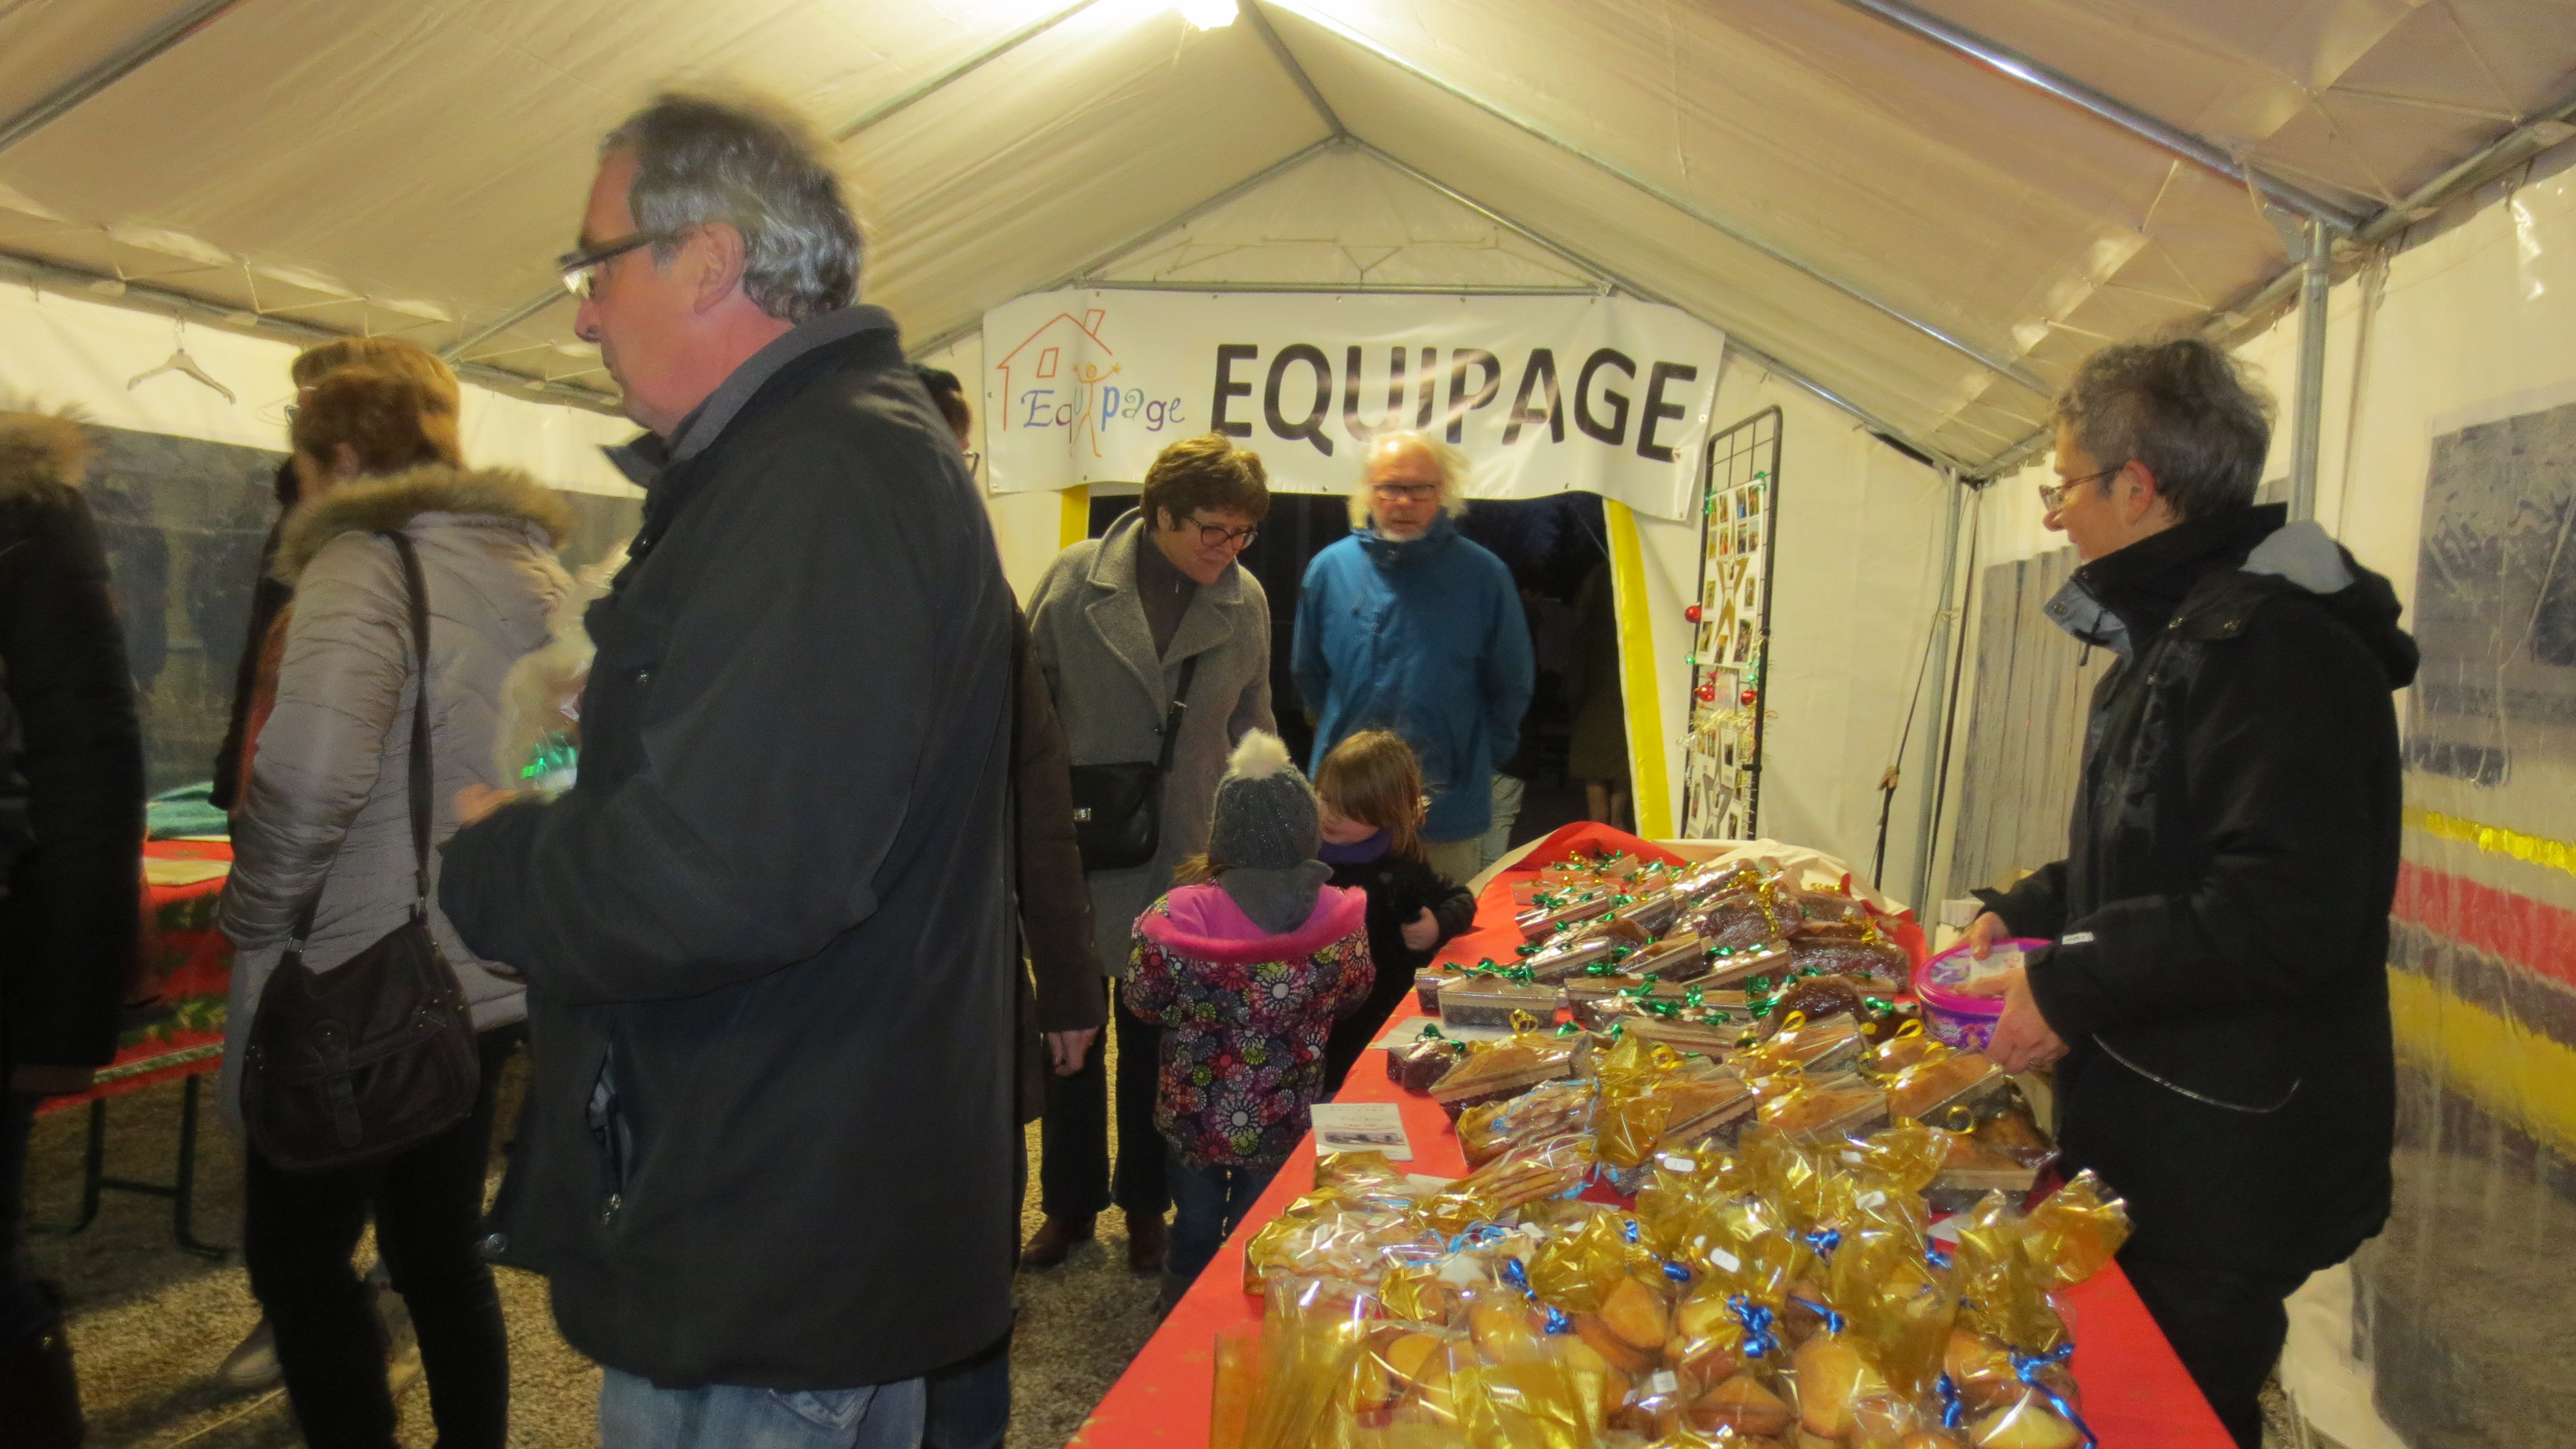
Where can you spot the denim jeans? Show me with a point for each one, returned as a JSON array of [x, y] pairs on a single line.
[[1207, 1204], [635, 1415]]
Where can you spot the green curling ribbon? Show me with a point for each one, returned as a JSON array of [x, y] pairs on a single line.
[[1720, 1017], [1691, 995], [1650, 978], [1668, 1010], [1568, 1029], [1602, 968], [1721, 950], [1521, 974], [1486, 964], [1757, 983], [1528, 950], [1622, 953], [1874, 1004]]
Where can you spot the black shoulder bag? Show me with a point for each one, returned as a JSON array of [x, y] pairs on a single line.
[[356, 1064], [1118, 809]]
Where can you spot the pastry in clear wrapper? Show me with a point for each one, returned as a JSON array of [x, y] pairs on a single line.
[[1831, 1045], [1925, 1089], [1489, 1002], [1819, 997], [1492, 1071], [1418, 1064]]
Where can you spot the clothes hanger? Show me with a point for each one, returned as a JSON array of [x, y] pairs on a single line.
[[180, 362]]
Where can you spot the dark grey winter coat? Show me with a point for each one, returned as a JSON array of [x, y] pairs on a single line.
[[1089, 632], [2221, 917], [72, 907], [770, 1134]]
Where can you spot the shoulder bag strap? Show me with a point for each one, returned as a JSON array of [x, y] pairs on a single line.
[[422, 781], [1180, 707]]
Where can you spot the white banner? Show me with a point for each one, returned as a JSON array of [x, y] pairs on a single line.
[[1543, 394]]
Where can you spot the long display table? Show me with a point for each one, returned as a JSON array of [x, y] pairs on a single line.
[[2136, 1394]]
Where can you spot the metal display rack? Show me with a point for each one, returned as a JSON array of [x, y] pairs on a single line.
[[1730, 647]]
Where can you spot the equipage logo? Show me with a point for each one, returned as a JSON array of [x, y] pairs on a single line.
[[1040, 390]]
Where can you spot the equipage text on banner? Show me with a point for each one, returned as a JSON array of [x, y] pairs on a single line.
[[1543, 394]]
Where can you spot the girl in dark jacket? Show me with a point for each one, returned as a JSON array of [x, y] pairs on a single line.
[[1373, 804]]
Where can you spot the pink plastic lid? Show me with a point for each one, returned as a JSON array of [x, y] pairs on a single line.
[[1934, 979]]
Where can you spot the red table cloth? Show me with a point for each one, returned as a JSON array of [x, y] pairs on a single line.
[[189, 965], [2136, 1394]]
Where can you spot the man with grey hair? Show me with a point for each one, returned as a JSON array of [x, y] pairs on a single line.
[[1408, 625], [767, 1158], [2214, 990]]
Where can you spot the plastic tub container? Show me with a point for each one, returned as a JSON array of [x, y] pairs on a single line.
[[1965, 1022]]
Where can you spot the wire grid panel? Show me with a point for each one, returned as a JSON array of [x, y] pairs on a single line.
[[1722, 754]]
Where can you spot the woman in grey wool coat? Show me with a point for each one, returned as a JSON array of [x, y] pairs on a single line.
[[328, 813], [1113, 623]]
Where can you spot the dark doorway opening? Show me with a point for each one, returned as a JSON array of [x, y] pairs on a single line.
[[1553, 547]]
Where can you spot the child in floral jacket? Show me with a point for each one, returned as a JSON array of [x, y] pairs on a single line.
[[1245, 964]]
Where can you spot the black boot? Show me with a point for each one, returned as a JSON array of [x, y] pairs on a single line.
[[39, 1395]]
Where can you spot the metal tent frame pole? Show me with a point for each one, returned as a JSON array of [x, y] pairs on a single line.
[[2192, 147], [1950, 632], [2001, 366], [128, 58], [2316, 282]]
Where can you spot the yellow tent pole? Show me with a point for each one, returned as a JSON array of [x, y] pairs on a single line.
[[1639, 692], [1073, 523]]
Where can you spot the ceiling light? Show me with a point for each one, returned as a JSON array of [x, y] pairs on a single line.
[[1207, 14]]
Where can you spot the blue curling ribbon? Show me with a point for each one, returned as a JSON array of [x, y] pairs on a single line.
[[1558, 1322], [2027, 1367], [1630, 1228], [1678, 1272], [1953, 1413], [1833, 1320], [1824, 1241], [1758, 1342], [1516, 1275], [1937, 1256]]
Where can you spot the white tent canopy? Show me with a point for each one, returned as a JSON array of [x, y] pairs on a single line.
[[1931, 238]]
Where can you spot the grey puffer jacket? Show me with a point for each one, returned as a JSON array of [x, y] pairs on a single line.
[[327, 806], [1088, 629]]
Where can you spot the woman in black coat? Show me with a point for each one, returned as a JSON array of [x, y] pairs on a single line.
[[68, 902]]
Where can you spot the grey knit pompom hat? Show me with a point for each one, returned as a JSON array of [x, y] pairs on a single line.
[[1265, 811]]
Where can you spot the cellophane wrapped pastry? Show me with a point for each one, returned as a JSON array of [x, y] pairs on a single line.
[[1549, 1110], [1492, 1071], [1420, 1063]]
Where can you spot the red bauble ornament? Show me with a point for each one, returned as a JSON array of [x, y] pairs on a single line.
[[1751, 695], [1691, 613], [1708, 694]]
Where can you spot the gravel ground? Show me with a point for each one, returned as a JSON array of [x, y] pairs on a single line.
[[151, 1323]]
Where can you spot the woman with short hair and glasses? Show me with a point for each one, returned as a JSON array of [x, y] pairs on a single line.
[[1119, 623]]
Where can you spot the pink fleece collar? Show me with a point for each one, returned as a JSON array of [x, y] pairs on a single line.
[[1206, 925]]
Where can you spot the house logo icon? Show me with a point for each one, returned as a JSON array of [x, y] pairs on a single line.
[[1039, 361]]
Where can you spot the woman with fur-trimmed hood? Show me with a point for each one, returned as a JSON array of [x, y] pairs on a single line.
[[327, 811]]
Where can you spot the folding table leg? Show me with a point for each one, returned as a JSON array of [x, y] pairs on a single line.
[[182, 1192]]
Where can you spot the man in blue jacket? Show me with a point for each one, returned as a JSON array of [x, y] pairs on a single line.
[[1406, 625]]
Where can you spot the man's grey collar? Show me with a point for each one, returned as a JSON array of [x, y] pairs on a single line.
[[712, 416]]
